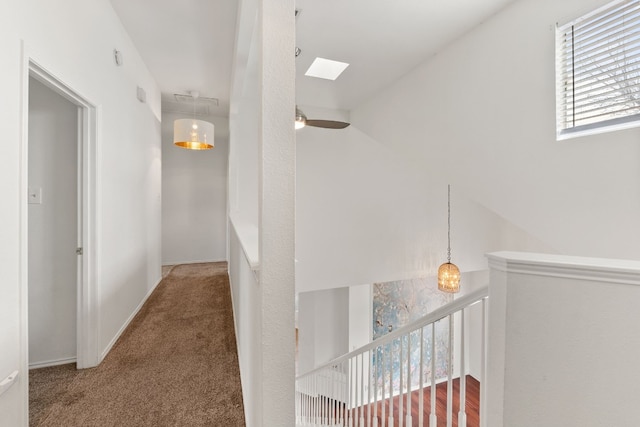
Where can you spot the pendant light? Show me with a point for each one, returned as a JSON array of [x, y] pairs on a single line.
[[448, 273], [193, 134]]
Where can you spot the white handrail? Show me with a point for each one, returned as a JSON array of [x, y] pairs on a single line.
[[436, 315]]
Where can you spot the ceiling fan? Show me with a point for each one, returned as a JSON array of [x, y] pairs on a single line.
[[301, 118], [302, 121]]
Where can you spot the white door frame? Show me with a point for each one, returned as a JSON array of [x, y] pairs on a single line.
[[87, 320]]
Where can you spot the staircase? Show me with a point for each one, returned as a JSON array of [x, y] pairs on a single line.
[[387, 382]]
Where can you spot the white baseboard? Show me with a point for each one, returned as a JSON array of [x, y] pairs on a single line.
[[128, 321], [166, 263], [48, 363]]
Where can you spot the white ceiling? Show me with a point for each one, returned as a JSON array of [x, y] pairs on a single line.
[[188, 44]]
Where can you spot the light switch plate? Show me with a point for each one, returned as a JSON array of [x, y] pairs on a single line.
[[35, 195]]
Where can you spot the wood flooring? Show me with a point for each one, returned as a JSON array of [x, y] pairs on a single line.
[[472, 407]]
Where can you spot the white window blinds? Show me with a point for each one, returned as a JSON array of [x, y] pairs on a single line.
[[598, 69]]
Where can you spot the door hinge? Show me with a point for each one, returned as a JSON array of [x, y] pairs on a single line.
[[78, 251]]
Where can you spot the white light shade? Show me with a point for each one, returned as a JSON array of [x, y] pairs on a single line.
[[193, 134]]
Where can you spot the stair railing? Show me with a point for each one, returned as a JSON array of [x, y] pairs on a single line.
[[373, 386]]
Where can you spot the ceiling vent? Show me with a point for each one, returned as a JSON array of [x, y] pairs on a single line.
[[183, 104]]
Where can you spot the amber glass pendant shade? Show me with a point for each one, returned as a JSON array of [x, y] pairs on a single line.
[[449, 278]]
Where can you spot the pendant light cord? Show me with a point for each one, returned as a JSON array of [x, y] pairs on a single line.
[[449, 223]]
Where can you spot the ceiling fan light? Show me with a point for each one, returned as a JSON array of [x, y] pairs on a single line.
[[193, 134], [301, 119]]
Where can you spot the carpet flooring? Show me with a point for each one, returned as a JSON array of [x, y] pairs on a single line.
[[175, 365]]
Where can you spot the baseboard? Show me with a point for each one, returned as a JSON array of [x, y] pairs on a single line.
[[49, 363], [166, 263], [128, 321]]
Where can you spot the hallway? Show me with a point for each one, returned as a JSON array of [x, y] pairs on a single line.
[[175, 365]]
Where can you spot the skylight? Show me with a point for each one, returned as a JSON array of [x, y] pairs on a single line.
[[326, 69]]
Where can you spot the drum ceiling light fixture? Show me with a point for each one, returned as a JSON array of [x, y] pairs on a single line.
[[193, 134]]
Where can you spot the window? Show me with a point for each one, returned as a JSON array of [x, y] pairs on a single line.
[[598, 70]]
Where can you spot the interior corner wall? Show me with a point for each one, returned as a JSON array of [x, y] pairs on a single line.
[[262, 208], [194, 196], [473, 321], [360, 316], [74, 41], [481, 115], [375, 216], [323, 324]]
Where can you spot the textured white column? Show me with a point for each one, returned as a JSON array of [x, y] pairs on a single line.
[[277, 210]]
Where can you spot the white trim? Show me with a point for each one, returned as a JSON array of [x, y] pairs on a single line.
[[49, 363], [24, 236], [127, 322], [172, 263], [625, 272], [249, 237], [87, 302], [598, 128]]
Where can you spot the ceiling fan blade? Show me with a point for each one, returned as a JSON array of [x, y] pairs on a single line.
[[327, 124]]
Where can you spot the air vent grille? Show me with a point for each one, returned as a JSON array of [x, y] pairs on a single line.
[[183, 104]]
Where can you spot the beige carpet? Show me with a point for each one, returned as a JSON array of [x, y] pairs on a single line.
[[175, 365]]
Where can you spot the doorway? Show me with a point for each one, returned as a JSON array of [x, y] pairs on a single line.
[[53, 209], [66, 158]]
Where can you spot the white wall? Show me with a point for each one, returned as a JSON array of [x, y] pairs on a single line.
[[563, 346], [472, 281], [53, 227], [360, 315], [262, 201], [244, 120], [194, 196], [246, 314], [375, 216], [323, 327], [481, 115], [74, 40]]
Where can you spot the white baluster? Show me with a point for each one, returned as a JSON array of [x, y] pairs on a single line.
[[384, 402], [376, 369], [315, 399], [401, 391], [391, 384], [450, 376], [421, 382], [369, 372], [483, 366], [433, 418], [409, 422], [362, 405], [323, 399], [462, 415], [339, 396], [351, 392]]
